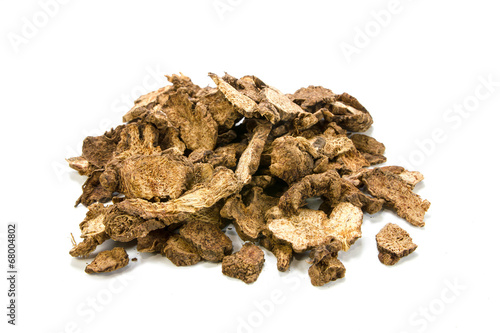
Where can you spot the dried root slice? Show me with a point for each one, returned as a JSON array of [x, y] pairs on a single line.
[[93, 191], [123, 227], [180, 252], [303, 231], [326, 270], [222, 185], [92, 231], [147, 177], [320, 252], [290, 159], [353, 195], [246, 264], [210, 242], [282, 251], [398, 195], [82, 165], [155, 241], [245, 105], [327, 183], [345, 223], [350, 114], [249, 219], [250, 159], [372, 150], [88, 245], [411, 178], [108, 261], [393, 243]]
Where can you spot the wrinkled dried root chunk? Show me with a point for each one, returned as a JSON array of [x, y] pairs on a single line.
[[122, 227], [303, 231], [249, 219], [93, 191], [82, 165], [92, 230], [180, 252], [290, 160], [319, 252], [88, 245], [283, 252], [353, 195], [155, 176], [393, 243], [155, 241], [345, 222], [222, 185], [250, 159], [326, 270], [246, 264], [108, 261], [398, 195], [210, 242], [327, 183], [189, 160]]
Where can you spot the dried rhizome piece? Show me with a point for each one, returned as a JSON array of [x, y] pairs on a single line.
[[189, 161], [393, 243]]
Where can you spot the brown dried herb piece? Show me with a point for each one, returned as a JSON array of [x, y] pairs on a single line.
[[282, 251], [345, 224], [326, 270], [397, 194], [154, 241], [303, 231], [180, 252], [353, 195], [223, 112], [108, 261], [93, 191], [222, 185], [290, 159], [313, 98], [210, 242], [327, 183], [150, 177], [92, 231], [250, 159], [123, 227], [82, 165], [246, 264], [249, 218], [320, 252], [393, 243]]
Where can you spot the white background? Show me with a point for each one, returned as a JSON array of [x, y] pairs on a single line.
[[71, 77]]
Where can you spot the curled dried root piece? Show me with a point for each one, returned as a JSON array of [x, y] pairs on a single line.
[[393, 243]]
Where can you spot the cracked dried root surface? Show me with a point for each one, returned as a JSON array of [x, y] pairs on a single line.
[[188, 161], [246, 264], [393, 243], [108, 261]]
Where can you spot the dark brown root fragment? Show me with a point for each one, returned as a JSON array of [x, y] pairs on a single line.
[[393, 243], [249, 218], [155, 241], [245, 264], [327, 183], [326, 270], [398, 195], [108, 261], [290, 159], [93, 191], [210, 242], [180, 252]]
